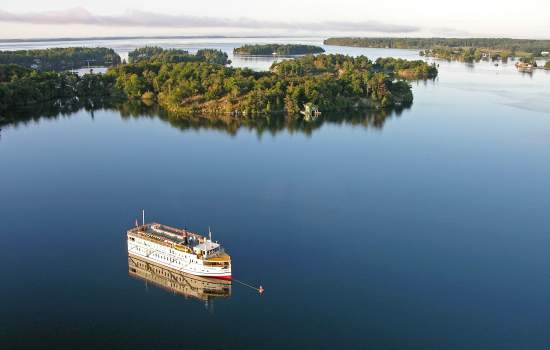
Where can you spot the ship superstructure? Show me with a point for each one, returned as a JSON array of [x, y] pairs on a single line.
[[179, 249]]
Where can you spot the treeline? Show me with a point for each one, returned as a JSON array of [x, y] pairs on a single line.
[[199, 87], [337, 64], [158, 54], [334, 64], [21, 86], [470, 54], [514, 46], [277, 49], [329, 81], [407, 69], [60, 59]]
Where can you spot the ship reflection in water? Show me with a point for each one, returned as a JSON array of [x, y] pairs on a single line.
[[177, 282]]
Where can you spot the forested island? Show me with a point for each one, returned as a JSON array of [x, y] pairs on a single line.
[[470, 54], [20, 86], [199, 87], [158, 54], [328, 81], [277, 49], [460, 49], [61, 59]]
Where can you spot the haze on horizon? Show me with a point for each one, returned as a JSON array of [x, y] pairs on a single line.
[[81, 18]]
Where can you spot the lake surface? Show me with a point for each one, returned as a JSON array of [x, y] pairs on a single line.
[[427, 228]]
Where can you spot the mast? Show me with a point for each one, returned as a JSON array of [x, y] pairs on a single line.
[[143, 216]]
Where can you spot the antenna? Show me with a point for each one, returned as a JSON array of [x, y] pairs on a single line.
[[143, 216], [209, 234]]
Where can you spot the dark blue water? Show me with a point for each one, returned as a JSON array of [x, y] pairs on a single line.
[[425, 230]]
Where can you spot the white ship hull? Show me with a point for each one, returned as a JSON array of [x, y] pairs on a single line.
[[175, 259]]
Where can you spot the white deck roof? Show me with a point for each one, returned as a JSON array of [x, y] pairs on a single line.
[[206, 246]]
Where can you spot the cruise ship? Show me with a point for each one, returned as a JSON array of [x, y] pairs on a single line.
[[179, 249], [176, 282]]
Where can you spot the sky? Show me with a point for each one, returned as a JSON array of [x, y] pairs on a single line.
[[424, 18]]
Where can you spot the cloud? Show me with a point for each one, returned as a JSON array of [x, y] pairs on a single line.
[[135, 18], [451, 32]]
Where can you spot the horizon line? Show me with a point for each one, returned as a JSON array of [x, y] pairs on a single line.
[[17, 40], [125, 37]]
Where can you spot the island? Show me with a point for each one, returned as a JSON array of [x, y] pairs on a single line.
[[158, 54], [331, 82], [20, 86], [407, 69], [459, 49], [60, 59], [198, 87], [277, 50]]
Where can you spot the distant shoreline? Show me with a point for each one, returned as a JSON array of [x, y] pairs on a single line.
[[467, 50], [30, 40]]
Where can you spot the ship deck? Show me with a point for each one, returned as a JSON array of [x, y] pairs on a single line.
[[167, 235], [164, 232]]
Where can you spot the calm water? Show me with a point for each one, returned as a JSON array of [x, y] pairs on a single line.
[[423, 229]]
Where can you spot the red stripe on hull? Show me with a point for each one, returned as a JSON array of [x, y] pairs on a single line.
[[227, 278]]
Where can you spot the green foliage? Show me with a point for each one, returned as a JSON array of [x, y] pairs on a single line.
[[468, 54], [158, 54], [329, 81], [547, 65], [529, 60], [9, 72], [29, 86], [203, 86], [416, 69], [148, 96], [59, 59], [212, 56], [513, 45], [146, 53], [278, 49]]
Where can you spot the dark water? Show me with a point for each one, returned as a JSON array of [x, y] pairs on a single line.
[[427, 228]]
